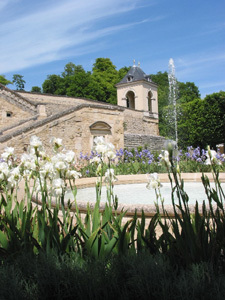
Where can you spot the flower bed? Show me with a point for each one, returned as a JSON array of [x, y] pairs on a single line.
[[187, 237]]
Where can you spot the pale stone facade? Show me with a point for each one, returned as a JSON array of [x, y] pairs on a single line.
[[77, 121], [141, 92]]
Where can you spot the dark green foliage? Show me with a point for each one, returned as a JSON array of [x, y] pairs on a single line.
[[36, 89], [52, 85], [70, 69], [187, 92], [202, 122], [163, 98], [79, 85], [76, 82], [214, 119], [129, 277], [121, 73], [18, 81], [104, 75], [190, 120]]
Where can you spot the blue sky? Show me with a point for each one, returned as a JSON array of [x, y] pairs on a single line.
[[39, 37]]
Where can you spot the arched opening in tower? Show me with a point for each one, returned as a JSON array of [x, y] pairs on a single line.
[[150, 101], [130, 96]]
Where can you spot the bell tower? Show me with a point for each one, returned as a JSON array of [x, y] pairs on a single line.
[[137, 91]]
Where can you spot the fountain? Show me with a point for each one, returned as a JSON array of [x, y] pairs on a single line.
[[137, 194], [172, 98], [134, 196]]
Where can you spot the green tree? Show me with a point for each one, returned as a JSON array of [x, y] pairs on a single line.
[[36, 89], [190, 122], [104, 78], [79, 85], [202, 122], [187, 92], [18, 81], [213, 127], [161, 79], [4, 81], [52, 84], [121, 73], [76, 82], [70, 69]]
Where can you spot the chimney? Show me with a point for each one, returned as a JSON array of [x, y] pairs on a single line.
[[41, 111]]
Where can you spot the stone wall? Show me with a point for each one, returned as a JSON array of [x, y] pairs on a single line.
[[73, 126], [150, 142], [11, 114], [70, 119], [56, 104], [136, 122]]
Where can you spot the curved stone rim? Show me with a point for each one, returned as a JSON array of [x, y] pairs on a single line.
[[129, 209]]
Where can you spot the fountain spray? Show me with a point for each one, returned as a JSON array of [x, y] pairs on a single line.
[[173, 95]]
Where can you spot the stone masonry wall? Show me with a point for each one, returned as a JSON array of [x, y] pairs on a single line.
[[135, 122], [150, 142], [55, 104], [17, 113], [73, 127]]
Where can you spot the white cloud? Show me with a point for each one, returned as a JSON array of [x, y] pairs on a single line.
[[4, 3], [220, 84], [43, 35], [205, 69], [199, 65], [201, 58]]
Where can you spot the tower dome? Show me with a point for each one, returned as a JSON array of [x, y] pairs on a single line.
[[135, 74]]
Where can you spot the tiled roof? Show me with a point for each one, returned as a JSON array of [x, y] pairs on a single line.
[[135, 74]]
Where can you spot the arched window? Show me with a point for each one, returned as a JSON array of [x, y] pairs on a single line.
[[100, 129], [129, 78], [130, 99], [150, 101]]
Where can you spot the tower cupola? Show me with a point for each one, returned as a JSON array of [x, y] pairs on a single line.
[[137, 91]]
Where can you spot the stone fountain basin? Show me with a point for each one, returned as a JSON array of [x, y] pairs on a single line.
[[133, 187]]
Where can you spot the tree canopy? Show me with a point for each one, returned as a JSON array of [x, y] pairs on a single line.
[[4, 81], [161, 79], [202, 122], [19, 81], [36, 89], [76, 82], [187, 92]]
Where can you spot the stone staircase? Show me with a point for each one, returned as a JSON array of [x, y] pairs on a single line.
[[17, 99]]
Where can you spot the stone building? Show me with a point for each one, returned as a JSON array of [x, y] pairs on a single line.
[[132, 122]]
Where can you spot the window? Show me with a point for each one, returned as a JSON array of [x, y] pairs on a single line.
[[130, 99], [8, 114], [150, 102], [100, 129]]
